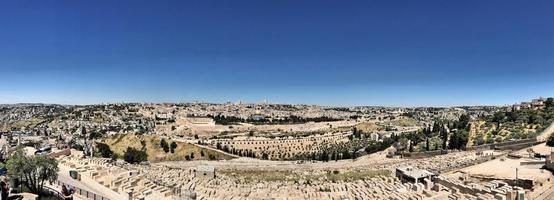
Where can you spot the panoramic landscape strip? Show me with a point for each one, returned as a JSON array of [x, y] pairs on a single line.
[[213, 151]]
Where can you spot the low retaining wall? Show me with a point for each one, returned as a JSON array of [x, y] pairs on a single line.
[[523, 183], [533, 163], [82, 192], [508, 145], [415, 155], [517, 146]]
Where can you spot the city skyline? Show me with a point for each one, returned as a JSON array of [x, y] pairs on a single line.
[[327, 53]]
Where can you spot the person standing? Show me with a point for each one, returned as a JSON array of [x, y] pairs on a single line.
[[4, 190], [66, 193]]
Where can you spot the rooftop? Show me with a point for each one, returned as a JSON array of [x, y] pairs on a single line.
[[414, 173]]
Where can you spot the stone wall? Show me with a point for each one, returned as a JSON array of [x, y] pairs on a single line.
[[424, 154], [496, 189], [508, 145]]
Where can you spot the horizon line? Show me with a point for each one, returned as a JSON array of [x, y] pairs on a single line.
[[268, 103]]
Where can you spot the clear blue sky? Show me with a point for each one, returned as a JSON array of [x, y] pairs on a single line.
[[405, 53]]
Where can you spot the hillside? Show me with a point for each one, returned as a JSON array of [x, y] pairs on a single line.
[[119, 143], [512, 125], [368, 127]]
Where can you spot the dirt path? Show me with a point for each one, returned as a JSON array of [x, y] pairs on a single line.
[[546, 133]]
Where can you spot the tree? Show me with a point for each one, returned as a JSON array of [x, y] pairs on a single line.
[[84, 131], [436, 127], [105, 150], [498, 117], [173, 146], [427, 148], [427, 133], [444, 137], [458, 140], [346, 154], [350, 137], [94, 135], [133, 155], [550, 141], [402, 144], [549, 103], [324, 156], [356, 133], [33, 171], [164, 145], [463, 122]]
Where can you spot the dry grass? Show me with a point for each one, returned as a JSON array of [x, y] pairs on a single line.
[[405, 122], [119, 144], [368, 127], [373, 127]]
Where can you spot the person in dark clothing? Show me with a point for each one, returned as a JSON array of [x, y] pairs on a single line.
[[4, 190], [67, 193]]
